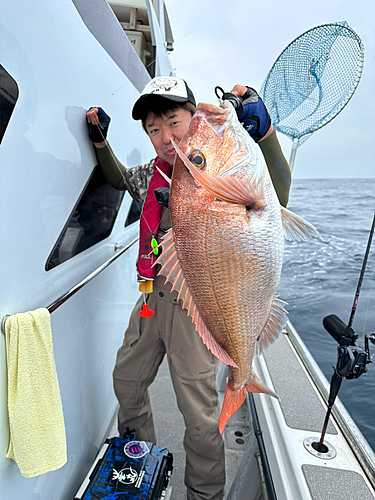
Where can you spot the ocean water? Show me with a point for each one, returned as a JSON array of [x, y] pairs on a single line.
[[319, 279]]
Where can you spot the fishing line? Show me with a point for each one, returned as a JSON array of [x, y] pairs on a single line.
[[154, 60], [113, 93], [146, 312], [124, 179], [335, 248], [122, 86], [140, 208], [128, 187], [198, 25], [368, 301]]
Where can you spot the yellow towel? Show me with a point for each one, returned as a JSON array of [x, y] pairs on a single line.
[[37, 431]]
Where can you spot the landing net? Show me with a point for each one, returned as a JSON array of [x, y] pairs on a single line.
[[313, 79]]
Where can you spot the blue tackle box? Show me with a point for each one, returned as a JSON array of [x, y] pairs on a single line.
[[128, 470]]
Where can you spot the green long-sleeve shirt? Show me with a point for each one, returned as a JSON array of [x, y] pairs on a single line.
[[137, 179]]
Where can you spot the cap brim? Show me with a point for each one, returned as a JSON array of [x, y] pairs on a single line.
[[142, 105]]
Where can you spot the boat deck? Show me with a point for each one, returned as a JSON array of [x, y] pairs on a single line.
[[286, 424], [170, 429]]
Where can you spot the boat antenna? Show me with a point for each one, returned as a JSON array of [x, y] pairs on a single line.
[[351, 358]]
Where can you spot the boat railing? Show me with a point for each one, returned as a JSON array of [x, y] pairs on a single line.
[[354, 437], [57, 303]]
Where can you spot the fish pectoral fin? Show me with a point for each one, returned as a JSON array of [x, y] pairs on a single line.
[[233, 189], [228, 188], [171, 269], [273, 327], [296, 228]]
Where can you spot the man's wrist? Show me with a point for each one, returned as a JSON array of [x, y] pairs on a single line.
[[100, 145], [268, 133]]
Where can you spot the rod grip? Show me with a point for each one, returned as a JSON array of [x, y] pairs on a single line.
[[338, 330]]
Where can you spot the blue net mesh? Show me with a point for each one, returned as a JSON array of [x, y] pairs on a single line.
[[313, 79]]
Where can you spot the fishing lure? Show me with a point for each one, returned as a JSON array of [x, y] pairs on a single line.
[[154, 245]]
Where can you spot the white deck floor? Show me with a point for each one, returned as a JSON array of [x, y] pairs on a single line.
[[170, 430]]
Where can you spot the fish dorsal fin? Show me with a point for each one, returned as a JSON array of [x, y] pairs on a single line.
[[171, 268], [272, 329], [229, 188], [296, 228]]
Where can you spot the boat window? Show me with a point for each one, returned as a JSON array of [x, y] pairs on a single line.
[[8, 98], [91, 220], [134, 213]]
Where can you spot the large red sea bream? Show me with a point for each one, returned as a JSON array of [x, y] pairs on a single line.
[[225, 250]]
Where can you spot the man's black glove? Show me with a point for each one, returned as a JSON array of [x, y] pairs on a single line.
[[250, 110], [98, 133], [254, 116]]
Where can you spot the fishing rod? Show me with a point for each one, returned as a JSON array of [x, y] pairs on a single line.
[[354, 308], [352, 360]]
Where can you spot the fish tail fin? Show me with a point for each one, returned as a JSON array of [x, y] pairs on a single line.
[[234, 397], [256, 385]]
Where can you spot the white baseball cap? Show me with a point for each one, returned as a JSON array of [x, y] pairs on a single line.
[[166, 87]]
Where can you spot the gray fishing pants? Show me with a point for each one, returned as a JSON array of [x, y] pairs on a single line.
[[193, 372]]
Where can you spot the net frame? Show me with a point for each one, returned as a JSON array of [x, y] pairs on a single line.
[[313, 79]]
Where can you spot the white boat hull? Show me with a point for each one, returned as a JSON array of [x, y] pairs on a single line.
[[46, 160]]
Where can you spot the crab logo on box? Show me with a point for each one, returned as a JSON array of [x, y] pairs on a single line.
[[125, 476]]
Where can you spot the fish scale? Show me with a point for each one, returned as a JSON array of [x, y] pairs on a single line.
[[225, 300], [225, 250], [240, 302]]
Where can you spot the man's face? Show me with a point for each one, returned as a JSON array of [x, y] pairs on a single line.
[[161, 129]]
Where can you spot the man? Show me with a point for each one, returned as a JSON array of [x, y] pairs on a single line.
[[165, 108]]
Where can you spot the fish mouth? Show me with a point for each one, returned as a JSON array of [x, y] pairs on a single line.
[[209, 109], [214, 115], [218, 117]]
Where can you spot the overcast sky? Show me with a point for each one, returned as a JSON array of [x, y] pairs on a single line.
[[223, 43]]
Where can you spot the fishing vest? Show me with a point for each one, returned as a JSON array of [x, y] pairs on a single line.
[[150, 220]]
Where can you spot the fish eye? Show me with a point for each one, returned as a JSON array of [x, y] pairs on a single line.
[[197, 158]]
